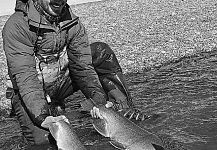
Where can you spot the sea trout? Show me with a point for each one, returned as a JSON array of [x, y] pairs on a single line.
[[65, 137], [124, 134]]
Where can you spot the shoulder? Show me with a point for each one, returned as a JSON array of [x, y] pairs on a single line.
[[16, 29], [16, 22], [16, 26]]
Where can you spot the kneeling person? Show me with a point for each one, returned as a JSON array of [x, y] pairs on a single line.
[[49, 58]]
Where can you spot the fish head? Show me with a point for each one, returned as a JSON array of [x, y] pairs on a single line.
[[54, 128], [60, 128], [65, 136], [106, 123], [110, 124]]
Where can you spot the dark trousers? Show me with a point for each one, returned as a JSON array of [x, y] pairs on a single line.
[[111, 78]]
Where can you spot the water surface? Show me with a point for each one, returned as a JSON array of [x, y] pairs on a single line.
[[186, 91]]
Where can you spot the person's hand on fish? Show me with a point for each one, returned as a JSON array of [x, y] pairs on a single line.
[[95, 111], [114, 96], [50, 119], [129, 113], [90, 106]]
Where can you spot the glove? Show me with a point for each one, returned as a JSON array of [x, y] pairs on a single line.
[[50, 119]]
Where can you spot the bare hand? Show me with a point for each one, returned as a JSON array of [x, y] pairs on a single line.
[[95, 111], [50, 119]]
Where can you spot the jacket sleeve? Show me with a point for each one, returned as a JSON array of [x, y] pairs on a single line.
[[21, 63], [80, 65]]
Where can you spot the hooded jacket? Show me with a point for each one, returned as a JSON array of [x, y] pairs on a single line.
[[29, 39]]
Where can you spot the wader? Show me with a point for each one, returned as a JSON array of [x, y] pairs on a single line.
[[111, 78]]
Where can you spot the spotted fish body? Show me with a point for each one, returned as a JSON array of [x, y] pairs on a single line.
[[124, 133], [65, 137]]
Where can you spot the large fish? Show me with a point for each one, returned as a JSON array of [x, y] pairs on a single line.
[[124, 133], [65, 137]]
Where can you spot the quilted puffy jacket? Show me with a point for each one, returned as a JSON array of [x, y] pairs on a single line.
[[28, 39]]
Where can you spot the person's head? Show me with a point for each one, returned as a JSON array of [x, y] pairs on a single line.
[[52, 7]]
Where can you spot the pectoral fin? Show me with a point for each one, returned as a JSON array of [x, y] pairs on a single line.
[[101, 127], [117, 145]]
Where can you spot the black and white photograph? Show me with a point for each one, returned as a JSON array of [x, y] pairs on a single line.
[[108, 75]]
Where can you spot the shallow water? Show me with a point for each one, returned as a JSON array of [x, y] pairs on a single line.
[[182, 92], [186, 91]]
